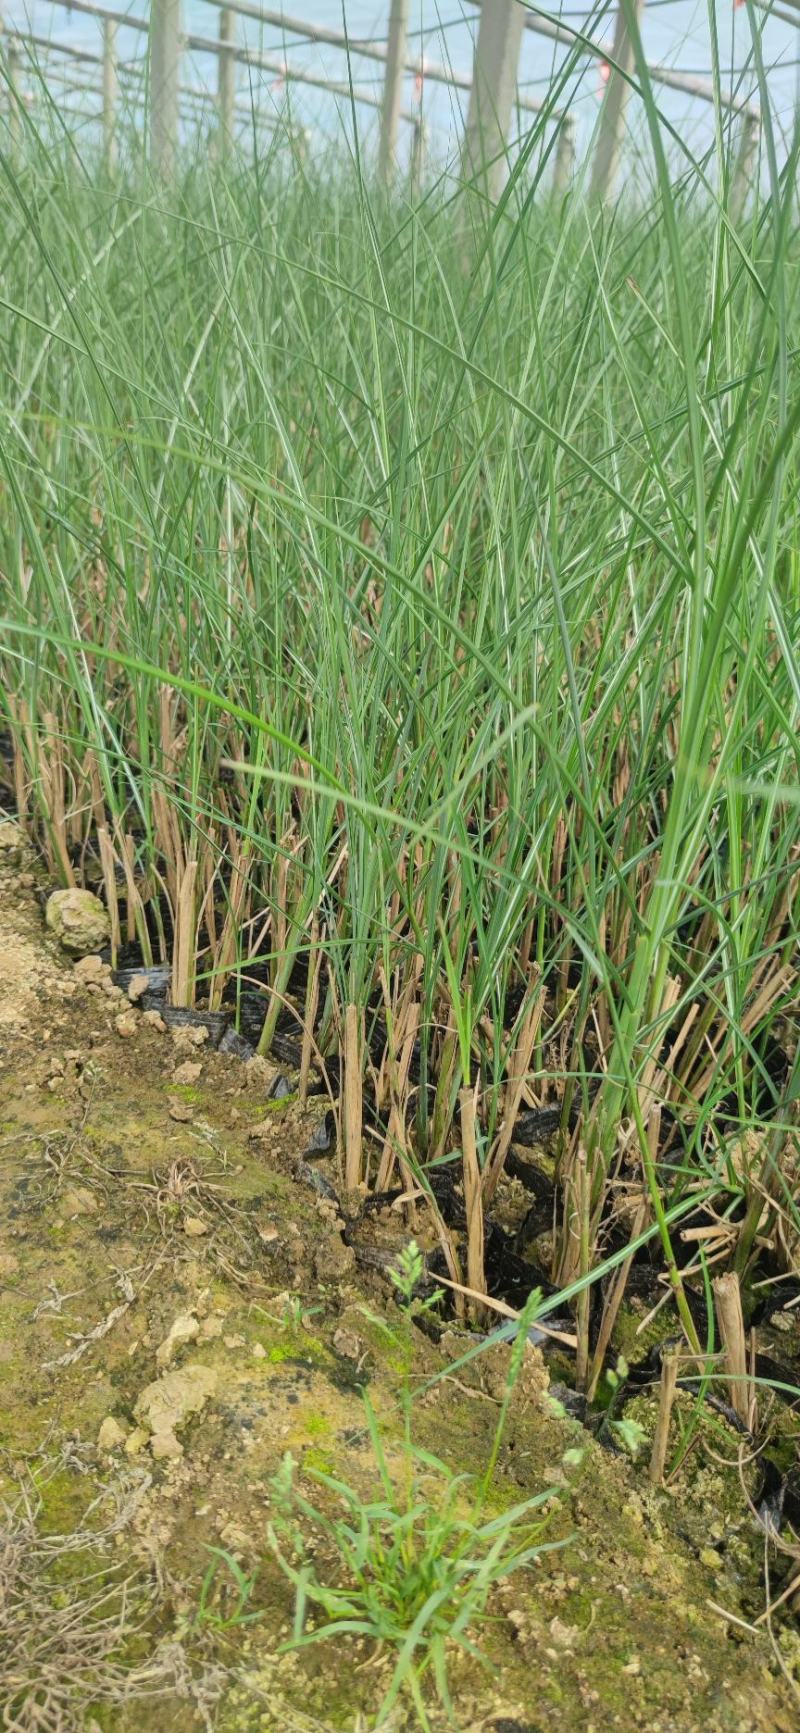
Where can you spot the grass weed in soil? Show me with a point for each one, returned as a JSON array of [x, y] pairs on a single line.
[[400, 623]]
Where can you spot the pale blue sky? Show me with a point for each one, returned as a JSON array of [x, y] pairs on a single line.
[[676, 33]]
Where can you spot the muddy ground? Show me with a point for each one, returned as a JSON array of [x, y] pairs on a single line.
[[149, 1187]]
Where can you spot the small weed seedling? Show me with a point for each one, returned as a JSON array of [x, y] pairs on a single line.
[[294, 1315], [412, 1569], [209, 1615]]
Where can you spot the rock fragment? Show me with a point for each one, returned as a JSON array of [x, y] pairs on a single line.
[[13, 843], [211, 1327], [136, 1440], [183, 1329], [195, 1227], [348, 1344], [92, 970], [78, 920], [187, 1036], [258, 1075], [111, 1436], [163, 1407], [180, 1110], [188, 1072]]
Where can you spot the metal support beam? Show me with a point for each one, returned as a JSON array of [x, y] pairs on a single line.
[[226, 78], [612, 115], [165, 55], [393, 88], [110, 92], [494, 84]]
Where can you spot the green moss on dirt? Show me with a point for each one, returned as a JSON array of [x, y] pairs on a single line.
[[635, 1343]]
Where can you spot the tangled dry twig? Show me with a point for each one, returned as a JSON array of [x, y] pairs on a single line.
[[68, 1608]]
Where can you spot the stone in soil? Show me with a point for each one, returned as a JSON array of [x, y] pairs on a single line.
[[78, 920], [13, 843], [164, 1406], [92, 969], [187, 1036], [111, 1435], [187, 1072], [183, 1329]]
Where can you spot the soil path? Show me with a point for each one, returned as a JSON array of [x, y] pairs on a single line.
[[178, 1309]]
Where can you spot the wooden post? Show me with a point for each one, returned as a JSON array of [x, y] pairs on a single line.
[[612, 117], [226, 77], [749, 133], [491, 98], [565, 157], [165, 54], [393, 88], [110, 91]]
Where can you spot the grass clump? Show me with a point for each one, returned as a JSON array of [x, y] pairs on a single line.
[[408, 639], [413, 1569]]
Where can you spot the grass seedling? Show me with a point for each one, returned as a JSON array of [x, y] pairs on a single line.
[[236, 1587], [413, 1569]]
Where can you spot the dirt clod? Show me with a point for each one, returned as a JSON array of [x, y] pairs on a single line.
[[187, 1073], [13, 843], [195, 1227], [164, 1406], [186, 1037], [78, 920], [111, 1436], [180, 1111], [333, 1259], [183, 1329], [259, 1076], [211, 1328], [348, 1344], [92, 968]]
